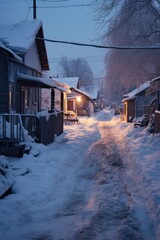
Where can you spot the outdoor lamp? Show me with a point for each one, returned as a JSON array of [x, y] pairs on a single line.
[[78, 98]]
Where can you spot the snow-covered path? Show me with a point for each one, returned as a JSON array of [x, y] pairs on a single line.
[[111, 209], [79, 188]]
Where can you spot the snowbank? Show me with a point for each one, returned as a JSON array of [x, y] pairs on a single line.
[[143, 156]]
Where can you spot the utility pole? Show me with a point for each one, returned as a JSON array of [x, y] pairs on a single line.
[[34, 9]]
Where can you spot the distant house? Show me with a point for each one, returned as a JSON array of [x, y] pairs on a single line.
[[78, 101], [135, 101], [23, 59]]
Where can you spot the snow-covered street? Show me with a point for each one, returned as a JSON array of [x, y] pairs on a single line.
[[88, 185]]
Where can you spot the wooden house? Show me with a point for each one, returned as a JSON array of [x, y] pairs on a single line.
[[135, 101], [23, 58], [78, 101]]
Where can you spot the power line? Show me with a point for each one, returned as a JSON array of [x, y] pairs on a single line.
[[87, 58], [11, 1], [53, 1], [100, 46], [65, 6]]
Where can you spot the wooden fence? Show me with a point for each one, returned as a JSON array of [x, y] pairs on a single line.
[[11, 128], [43, 128]]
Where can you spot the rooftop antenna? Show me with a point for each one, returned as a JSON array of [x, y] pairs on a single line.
[[34, 9]]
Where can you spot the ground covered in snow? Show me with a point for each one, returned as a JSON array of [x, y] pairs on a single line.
[[98, 181]]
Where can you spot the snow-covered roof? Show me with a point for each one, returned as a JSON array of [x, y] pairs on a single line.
[[20, 37], [42, 82], [155, 79], [132, 94], [71, 81], [15, 56], [63, 86], [83, 93]]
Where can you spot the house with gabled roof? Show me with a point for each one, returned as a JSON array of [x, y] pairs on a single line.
[[29, 59], [78, 101], [23, 58], [135, 101]]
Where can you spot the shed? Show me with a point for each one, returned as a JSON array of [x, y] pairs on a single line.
[[135, 101]]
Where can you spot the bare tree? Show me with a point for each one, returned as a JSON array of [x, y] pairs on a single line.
[[78, 67], [130, 23]]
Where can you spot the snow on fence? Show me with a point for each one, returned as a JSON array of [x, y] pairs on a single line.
[[42, 128], [49, 127], [11, 128]]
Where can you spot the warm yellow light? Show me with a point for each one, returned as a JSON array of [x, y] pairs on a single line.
[[78, 98]]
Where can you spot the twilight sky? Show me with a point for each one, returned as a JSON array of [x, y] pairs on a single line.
[[66, 20]]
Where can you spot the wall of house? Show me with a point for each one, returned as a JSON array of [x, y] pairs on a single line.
[[83, 107], [71, 104], [21, 98], [57, 100], [129, 110], [3, 82], [140, 102], [46, 99], [25, 98], [31, 58]]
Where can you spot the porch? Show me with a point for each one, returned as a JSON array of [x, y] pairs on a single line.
[[41, 128]]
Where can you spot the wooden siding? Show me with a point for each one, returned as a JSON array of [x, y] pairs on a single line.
[[9, 68], [27, 98], [129, 110], [141, 101], [82, 106], [3, 83], [31, 58]]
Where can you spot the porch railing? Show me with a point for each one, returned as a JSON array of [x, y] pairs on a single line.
[[42, 129], [11, 128], [30, 122]]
